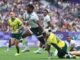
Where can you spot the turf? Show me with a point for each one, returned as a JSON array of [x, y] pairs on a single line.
[[25, 56]]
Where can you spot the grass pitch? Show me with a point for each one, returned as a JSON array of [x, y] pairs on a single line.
[[26, 56]]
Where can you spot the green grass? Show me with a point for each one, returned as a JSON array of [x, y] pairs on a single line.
[[25, 56]]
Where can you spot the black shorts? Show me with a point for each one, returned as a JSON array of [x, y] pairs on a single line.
[[38, 32], [61, 52]]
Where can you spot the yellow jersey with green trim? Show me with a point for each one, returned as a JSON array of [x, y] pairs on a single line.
[[14, 25], [52, 39]]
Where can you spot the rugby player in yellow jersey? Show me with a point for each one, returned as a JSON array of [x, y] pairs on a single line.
[[58, 44], [14, 25]]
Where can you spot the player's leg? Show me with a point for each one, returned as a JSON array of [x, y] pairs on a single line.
[[77, 53], [25, 43], [41, 48], [17, 47], [24, 36], [48, 48], [26, 33], [63, 53], [11, 43], [17, 37], [38, 32]]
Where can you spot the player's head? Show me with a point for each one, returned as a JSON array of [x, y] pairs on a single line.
[[30, 8], [12, 15], [45, 12], [69, 38]]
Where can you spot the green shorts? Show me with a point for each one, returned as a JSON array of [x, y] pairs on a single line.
[[16, 36]]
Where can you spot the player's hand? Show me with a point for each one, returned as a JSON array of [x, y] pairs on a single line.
[[43, 46], [17, 30]]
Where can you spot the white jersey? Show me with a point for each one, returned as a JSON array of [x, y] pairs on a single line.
[[31, 19], [46, 20], [69, 44]]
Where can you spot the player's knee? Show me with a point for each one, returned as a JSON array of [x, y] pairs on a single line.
[[26, 34], [47, 48], [61, 55], [16, 43], [12, 43], [41, 39]]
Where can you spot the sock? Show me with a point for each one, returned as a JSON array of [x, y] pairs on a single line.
[[26, 46], [9, 45], [55, 53], [49, 53], [40, 49], [17, 49]]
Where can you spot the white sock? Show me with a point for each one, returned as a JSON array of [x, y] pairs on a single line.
[[26, 46], [55, 53], [40, 49], [8, 48]]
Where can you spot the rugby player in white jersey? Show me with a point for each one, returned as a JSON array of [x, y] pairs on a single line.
[[71, 44], [35, 28]]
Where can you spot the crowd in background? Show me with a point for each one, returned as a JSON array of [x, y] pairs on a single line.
[[65, 16]]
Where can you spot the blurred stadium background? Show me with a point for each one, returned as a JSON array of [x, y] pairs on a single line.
[[65, 17]]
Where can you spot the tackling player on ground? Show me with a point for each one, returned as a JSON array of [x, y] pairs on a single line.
[[34, 23], [72, 48], [60, 45]]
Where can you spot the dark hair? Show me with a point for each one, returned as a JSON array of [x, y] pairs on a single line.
[[69, 37], [30, 6], [46, 10]]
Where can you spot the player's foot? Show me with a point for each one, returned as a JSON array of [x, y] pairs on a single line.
[[50, 55], [25, 51], [7, 50], [55, 53], [49, 58], [71, 56], [37, 52], [17, 54]]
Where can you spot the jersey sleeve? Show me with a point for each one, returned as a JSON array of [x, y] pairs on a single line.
[[19, 22], [25, 16], [34, 17]]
